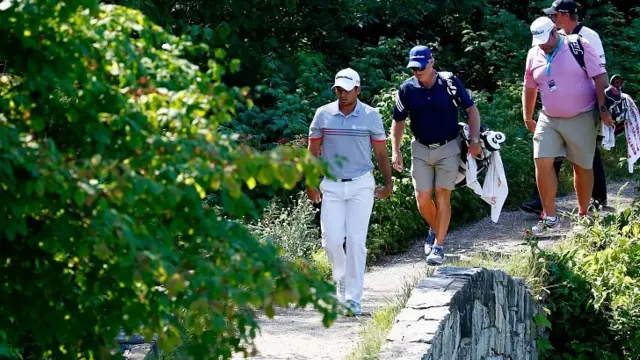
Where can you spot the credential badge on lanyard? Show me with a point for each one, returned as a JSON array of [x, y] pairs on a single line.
[[551, 82]]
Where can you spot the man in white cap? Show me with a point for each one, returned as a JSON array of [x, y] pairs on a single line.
[[344, 132], [573, 103], [564, 14]]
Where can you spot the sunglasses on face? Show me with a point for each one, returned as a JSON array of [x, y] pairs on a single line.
[[416, 69]]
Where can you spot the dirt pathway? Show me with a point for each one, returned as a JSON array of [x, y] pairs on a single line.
[[299, 334], [506, 236]]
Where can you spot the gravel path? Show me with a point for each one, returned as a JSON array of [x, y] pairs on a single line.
[[299, 334], [506, 236]]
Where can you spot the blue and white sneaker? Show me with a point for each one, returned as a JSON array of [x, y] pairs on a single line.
[[428, 242], [437, 255], [545, 226], [354, 308]]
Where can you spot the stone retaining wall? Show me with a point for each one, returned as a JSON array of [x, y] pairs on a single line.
[[466, 314]]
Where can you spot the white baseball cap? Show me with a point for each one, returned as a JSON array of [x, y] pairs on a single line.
[[541, 28], [347, 79]]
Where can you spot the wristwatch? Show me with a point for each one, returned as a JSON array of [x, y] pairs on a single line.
[[475, 141], [603, 109]]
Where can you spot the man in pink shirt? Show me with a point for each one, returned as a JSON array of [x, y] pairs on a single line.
[[568, 124]]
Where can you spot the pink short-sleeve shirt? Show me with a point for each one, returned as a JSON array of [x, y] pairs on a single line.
[[568, 90]]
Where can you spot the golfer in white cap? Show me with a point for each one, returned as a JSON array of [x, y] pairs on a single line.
[[344, 132]]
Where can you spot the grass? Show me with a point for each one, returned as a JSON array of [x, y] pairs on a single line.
[[520, 264], [375, 330]]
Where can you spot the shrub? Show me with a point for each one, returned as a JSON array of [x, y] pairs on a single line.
[[292, 227], [108, 145], [295, 228], [594, 290]]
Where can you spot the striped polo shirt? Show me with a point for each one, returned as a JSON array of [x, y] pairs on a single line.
[[346, 140]]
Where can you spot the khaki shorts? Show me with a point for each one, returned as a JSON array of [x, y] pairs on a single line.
[[435, 167], [574, 138]]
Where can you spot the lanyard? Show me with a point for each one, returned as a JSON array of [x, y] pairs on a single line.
[[553, 54]]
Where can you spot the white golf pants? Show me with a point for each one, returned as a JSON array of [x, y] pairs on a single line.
[[345, 212]]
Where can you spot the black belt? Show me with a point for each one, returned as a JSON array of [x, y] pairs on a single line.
[[436, 144], [350, 179]]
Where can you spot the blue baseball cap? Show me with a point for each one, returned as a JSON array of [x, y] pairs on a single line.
[[419, 56]]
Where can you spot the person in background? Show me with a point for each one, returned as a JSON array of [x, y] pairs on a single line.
[[572, 102], [343, 133]]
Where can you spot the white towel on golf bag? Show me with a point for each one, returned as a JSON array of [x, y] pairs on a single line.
[[632, 131], [494, 191], [609, 140]]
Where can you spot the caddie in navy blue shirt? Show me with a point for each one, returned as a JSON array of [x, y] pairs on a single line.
[[434, 117], [432, 101]]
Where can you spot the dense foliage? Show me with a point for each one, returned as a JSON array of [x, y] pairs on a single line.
[[109, 143], [594, 291], [290, 50], [130, 158]]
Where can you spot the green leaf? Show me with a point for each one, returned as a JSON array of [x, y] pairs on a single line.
[[251, 183], [195, 30], [544, 345], [234, 66], [269, 310], [79, 197], [541, 320], [37, 123], [208, 33], [220, 54], [40, 187], [265, 175]]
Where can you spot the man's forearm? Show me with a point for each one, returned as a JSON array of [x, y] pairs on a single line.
[[474, 122], [529, 96], [397, 133], [314, 149], [601, 81], [385, 166]]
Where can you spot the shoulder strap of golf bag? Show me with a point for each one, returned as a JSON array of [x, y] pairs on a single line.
[[577, 50], [452, 90]]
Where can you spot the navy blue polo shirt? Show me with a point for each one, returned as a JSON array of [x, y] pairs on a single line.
[[434, 118]]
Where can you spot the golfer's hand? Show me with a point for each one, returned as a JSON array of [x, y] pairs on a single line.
[[313, 195], [384, 192]]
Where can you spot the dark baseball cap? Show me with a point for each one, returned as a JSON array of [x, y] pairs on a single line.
[[419, 56], [563, 6]]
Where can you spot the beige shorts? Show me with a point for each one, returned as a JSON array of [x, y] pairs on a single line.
[[574, 138], [435, 167]]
